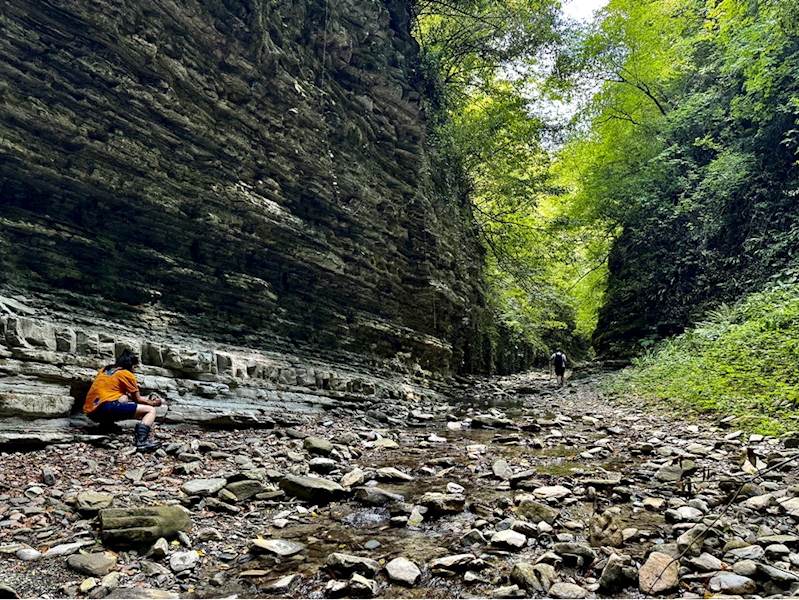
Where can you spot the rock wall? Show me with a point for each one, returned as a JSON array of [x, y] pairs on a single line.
[[47, 366], [252, 172]]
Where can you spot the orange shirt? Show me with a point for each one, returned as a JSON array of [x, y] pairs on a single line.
[[109, 386]]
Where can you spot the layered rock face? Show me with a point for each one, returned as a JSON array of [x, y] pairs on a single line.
[[190, 175], [250, 171]]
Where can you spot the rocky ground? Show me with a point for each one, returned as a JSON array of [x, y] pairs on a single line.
[[516, 489]]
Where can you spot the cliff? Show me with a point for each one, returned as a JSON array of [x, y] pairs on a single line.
[[250, 174]]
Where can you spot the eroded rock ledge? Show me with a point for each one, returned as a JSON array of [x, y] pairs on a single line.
[[47, 366]]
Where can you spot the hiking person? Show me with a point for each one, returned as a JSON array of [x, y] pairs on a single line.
[[114, 396], [559, 361]]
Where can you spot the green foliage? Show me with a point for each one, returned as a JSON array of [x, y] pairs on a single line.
[[687, 156], [741, 360]]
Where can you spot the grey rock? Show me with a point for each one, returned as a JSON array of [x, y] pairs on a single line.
[[567, 590], [403, 571], [614, 575], [442, 503], [375, 496], [283, 548], [509, 539], [135, 526], [392, 474], [536, 578], [317, 446], [28, 554], [203, 487], [96, 564], [284, 585], [536, 511], [140, 593], [321, 464], [705, 563], [315, 489], [746, 568], [92, 502], [246, 489], [346, 564], [508, 591], [730, 583], [183, 561], [66, 549], [361, 587]]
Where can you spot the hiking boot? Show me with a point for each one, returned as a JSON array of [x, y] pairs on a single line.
[[141, 433]]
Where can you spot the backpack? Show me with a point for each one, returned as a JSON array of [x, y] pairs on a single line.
[[560, 360]]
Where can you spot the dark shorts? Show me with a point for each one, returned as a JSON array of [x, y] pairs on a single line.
[[559, 371], [113, 411]]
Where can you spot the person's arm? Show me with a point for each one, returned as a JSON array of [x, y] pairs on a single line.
[[150, 400]]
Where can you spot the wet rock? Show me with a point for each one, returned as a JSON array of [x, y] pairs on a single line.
[[346, 564], [375, 496], [536, 511], [282, 548], [183, 561], [92, 502], [730, 583], [604, 530], [361, 587], [569, 549], [536, 578], [402, 570], [473, 537], [203, 487], [441, 503], [658, 574], [284, 585], [616, 574], [509, 539], [567, 590], [134, 526], [96, 564], [392, 474], [455, 562], [315, 489]]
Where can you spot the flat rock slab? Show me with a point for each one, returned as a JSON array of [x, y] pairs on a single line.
[[282, 548], [509, 539], [92, 502], [315, 489], [658, 574], [136, 526], [282, 586], [96, 564], [567, 590], [552, 492], [403, 571], [347, 564], [730, 583], [203, 487], [392, 474]]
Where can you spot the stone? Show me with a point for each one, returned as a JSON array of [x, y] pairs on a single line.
[[567, 590], [552, 492], [317, 446], [135, 526], [691, 541], [314, 489], [203, 487], [455, 562], [402, 570], [780, 576], [536, 511], [658, 574], [392, 474], [604, 530], [501, 469], [508, 591], [160, 549], [277, 547], [705, 563], [386, 443], [140, 593], [675, 471], [730, 583], [66, 549], [183, 561], [747, 553], [28, 554], [246, 489], [353, 478], [472, 537], [533, 578], [575, 549], [322, 464], [746, 568], [96, 564], [346, 564], [684, 514], [361, 587], [284, 585], [613, 576], [6, 591], [509, 539], [92, 502], [441, 503], [375, 496]]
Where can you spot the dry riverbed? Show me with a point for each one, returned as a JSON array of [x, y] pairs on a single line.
[[516, 489]]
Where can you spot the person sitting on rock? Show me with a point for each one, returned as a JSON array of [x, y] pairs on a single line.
[[114, 396]]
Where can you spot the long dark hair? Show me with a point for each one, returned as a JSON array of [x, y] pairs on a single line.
[[126, 360]]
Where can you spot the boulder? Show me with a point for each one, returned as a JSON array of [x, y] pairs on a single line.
[[347, 564], [315, 489], [658, 574], [135, 526], [403, 571], [96, 564]]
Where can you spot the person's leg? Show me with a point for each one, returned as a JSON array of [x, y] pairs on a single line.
[[145, 413]]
